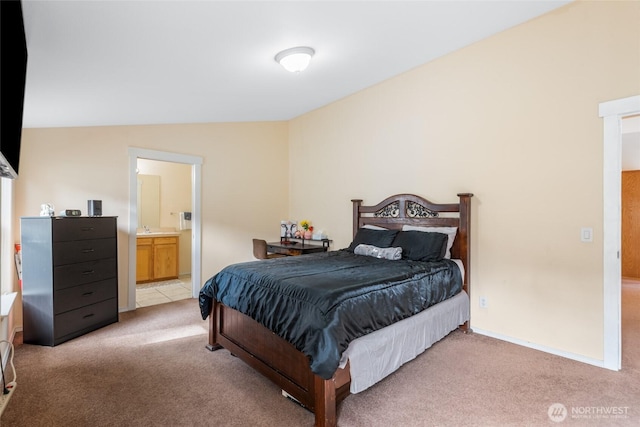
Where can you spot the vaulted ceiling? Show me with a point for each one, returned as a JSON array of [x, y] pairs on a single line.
[[94, 63]]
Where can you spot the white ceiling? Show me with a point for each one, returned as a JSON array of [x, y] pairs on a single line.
[[111, 62]]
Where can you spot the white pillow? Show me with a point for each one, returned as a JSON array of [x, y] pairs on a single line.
[[392, 254], [373, 227], [449, 231]]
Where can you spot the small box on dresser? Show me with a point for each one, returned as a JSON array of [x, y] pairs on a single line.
[[69, 277]]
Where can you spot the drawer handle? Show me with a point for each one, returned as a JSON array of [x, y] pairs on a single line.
[[87, 228], [86, 251], [84, 273], [87, 316], [86, 294]]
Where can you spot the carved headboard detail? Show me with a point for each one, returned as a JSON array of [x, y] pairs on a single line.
[[413, 210], [400, 209]]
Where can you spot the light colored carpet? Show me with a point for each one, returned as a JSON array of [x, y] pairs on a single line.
[[152, 369]]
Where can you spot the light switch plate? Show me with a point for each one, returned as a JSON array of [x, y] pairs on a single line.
[[586, 234]]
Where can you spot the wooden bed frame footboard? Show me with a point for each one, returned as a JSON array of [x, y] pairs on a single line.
[[279, 361], [289, 368]]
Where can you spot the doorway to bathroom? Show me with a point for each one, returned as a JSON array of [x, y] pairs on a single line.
[[164, 224], [163, 236]]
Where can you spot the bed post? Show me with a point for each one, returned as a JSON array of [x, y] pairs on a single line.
[[213, 326], [356, 215], [465, 247], [325, 402]]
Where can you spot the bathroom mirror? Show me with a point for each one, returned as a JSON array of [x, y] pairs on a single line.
[[149, 201]]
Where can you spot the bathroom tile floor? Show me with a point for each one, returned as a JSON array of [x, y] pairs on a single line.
[[162, 292]]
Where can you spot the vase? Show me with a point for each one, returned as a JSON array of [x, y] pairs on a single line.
[[308, 235]]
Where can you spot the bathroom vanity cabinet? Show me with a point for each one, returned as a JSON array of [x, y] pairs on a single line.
[[157, 257]]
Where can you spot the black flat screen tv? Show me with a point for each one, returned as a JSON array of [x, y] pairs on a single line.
[[13, 74]]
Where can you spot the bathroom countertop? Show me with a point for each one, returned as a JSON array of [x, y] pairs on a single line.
[[158, 233]]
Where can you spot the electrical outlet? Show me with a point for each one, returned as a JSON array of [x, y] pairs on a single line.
[[484, 303]]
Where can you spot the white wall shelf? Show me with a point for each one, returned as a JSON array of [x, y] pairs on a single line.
[[6, 303]]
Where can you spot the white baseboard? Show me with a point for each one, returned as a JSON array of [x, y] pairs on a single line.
[[15, 331], [551, 350]]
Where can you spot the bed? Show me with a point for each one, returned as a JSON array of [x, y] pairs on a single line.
[[292, 318]]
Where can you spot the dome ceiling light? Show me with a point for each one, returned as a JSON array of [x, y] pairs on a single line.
[[295, 59]]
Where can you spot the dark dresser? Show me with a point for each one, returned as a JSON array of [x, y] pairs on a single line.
[[69, 277]]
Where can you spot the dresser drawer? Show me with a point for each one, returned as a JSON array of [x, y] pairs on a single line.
[[66, 229], [83, 295], [66, 276], [83, 250], [86, 318]]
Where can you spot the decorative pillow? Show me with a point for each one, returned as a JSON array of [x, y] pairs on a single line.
[[376, 252], [373, 227], [449, 231], [379, 238], [421, 246]]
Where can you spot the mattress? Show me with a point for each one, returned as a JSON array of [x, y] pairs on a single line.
[[376, 355]]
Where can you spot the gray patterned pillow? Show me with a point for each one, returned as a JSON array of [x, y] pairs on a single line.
[[376, 252]]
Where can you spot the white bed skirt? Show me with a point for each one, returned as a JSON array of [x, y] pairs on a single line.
[[378, 354]]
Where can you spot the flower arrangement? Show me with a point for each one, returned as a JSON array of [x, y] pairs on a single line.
[[306, 224], [308, 230]]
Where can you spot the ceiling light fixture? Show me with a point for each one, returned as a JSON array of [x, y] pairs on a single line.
[[295, 59]]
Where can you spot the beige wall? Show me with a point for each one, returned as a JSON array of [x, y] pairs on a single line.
[[244, 180], [513, 119]]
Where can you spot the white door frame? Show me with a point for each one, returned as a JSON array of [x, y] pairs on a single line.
[[196, 218], [613, 112]]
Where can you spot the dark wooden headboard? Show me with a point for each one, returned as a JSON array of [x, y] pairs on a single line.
[[400, 209]]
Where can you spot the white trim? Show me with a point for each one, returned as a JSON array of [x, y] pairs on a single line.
[[7, 249], [612, 112], [551, 350], [620, 107], [196, 214]]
